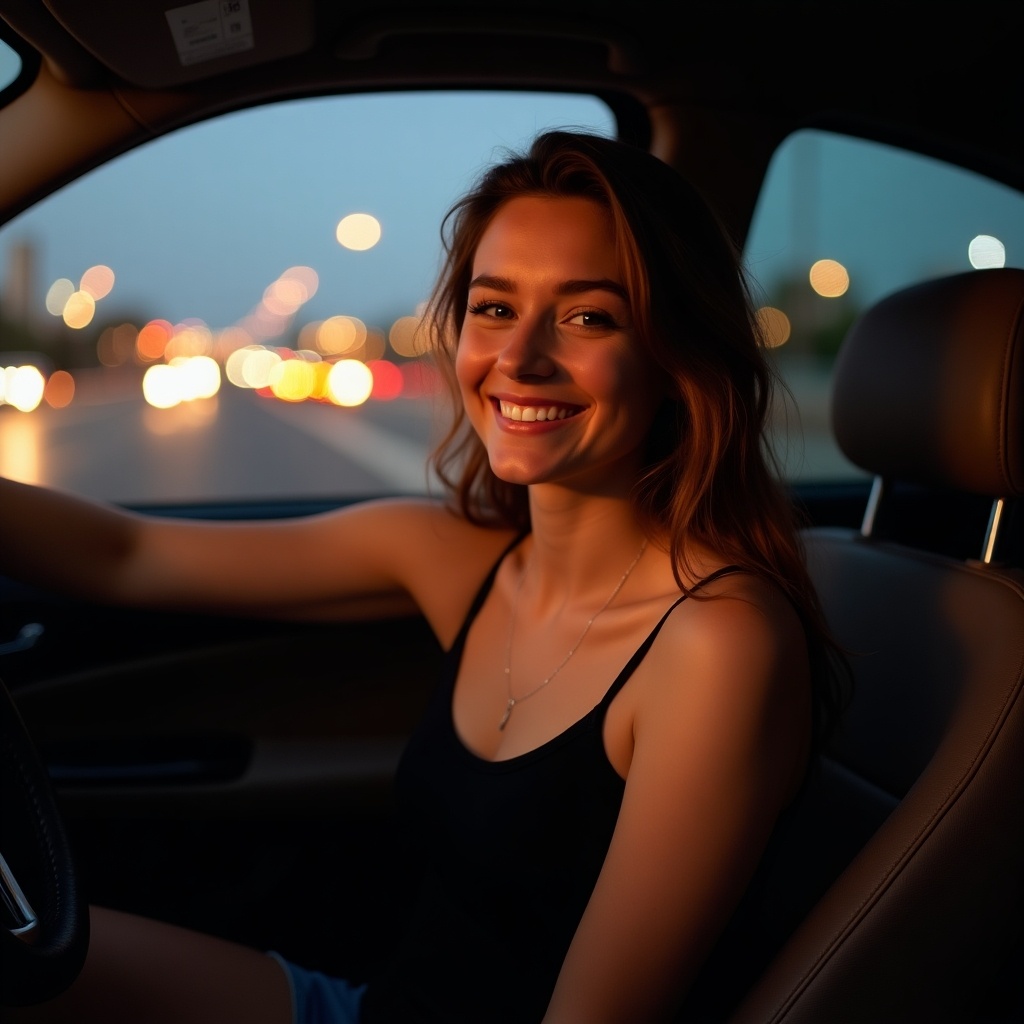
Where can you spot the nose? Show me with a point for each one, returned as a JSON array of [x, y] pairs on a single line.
[[526, 352]]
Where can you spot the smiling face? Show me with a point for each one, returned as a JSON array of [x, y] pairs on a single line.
[[552, 376]]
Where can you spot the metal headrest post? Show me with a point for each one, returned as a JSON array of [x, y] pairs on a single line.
[[867, 526], [992, 533]]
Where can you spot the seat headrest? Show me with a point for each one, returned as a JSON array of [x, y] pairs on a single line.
[[929, 385]]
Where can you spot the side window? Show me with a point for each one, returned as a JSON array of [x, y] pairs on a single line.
[[225, 313], [840, 223]]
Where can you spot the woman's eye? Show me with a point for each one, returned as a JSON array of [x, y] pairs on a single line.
[[591, 318], [497, 310]]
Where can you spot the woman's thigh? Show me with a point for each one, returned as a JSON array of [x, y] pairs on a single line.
[[149, 972]]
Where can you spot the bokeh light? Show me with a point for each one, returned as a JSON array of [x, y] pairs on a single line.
[[338, 335], [387, 380], [152, 340], [775, 326], [97, 281], [350, 382], [79, 310], [408, 336], [829, 279], [58, 294], [358, 231], [21, 387], [986, 252], [116, 345], [60, 389], [292, 380]]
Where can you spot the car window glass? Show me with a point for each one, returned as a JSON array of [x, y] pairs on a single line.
[[840, 223], [10, 67], [227, 313]]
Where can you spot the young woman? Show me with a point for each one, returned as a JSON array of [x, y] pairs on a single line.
[[638, 673]]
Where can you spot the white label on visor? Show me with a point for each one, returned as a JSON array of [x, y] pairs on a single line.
[[210, 29]]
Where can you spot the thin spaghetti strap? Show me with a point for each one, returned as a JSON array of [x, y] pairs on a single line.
[[641, 651], [726, 570], [485, 589]]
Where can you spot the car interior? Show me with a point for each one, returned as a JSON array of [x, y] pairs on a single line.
[[234, 776]]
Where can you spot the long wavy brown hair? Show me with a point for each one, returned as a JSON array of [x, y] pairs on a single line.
[[710, 473]]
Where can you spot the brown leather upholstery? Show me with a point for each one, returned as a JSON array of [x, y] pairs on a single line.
[[929, 389], [929, 384]]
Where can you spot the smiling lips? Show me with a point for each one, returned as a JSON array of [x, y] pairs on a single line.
[[536, 413]]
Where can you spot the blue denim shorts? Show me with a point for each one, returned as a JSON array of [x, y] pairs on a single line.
[[318, 998]]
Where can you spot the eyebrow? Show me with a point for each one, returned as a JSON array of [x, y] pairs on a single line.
[[574, 287]]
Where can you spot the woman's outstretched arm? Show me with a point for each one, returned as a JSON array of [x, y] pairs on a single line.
[[369, 559]]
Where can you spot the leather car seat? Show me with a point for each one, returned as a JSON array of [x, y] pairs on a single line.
[[894, 891]]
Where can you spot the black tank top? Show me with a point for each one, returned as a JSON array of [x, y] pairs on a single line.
[[512, 850]]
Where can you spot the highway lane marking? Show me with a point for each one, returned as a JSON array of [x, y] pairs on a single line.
[[397, 461]]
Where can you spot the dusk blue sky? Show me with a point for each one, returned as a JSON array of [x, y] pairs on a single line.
[[198, 223]]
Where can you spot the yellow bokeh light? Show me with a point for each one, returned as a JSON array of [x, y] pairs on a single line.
[[292, 380], [79, 310], [198, 376], [775, 326], [340, 334], [161, 386], [408, 336], [21, 456], [350, 382], [21, 387], [829, 279], [97, 281], [359, 231]]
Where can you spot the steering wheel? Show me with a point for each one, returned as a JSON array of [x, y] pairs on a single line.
[[44, 924]]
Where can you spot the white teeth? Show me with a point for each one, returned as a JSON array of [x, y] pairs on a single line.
[[533, 413]]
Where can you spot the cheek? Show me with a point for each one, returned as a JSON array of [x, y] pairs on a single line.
[[469, 368]]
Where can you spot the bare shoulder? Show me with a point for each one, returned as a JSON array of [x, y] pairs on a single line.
[[731, 673]]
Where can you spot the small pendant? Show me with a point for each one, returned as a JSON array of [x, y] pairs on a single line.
[[505, 717]]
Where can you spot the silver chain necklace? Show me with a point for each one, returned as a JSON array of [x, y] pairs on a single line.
[[513, 701]]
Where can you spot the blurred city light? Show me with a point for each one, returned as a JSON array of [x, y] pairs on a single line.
[[358, 231], [986, 252], [829, 279], [60, 389], [21, 387], [775, 326], [350, 382], [97, 281]]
